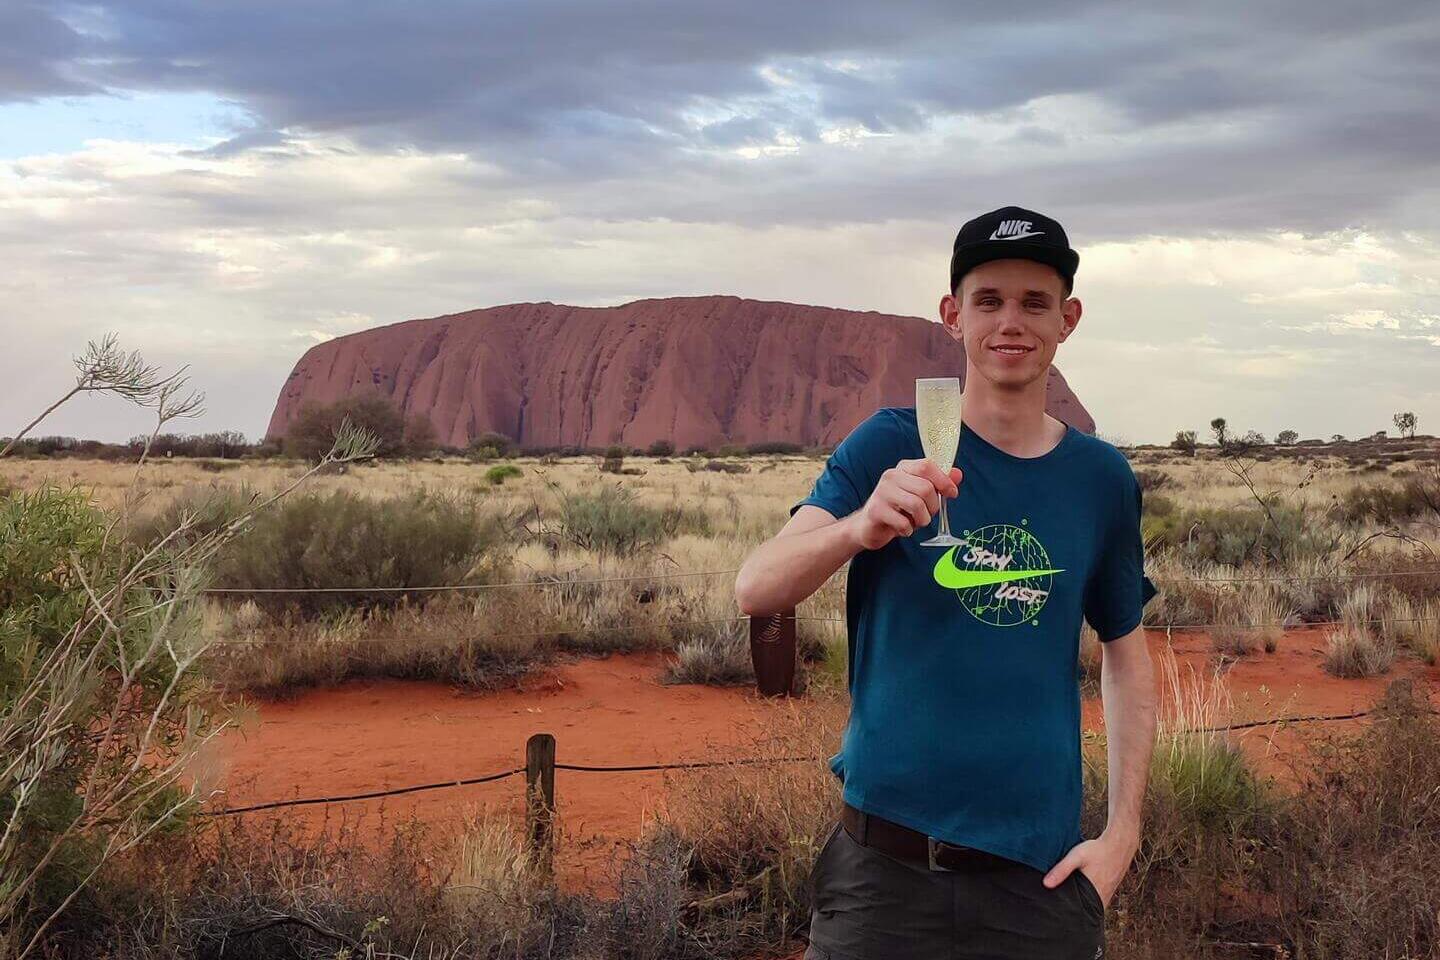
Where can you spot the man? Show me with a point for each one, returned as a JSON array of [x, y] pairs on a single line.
[[961, 771]]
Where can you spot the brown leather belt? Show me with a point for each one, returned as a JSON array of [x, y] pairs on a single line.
[[900, 841]]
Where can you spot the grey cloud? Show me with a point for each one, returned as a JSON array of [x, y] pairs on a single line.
[[35, 50], [1307, 115]]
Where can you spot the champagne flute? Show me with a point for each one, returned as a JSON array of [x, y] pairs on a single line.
[[938, 403]]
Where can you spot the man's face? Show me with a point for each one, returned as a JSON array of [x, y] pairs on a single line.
[[1011, 315]]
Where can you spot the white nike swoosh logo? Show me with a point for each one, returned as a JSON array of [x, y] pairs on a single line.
[[1020, 236]]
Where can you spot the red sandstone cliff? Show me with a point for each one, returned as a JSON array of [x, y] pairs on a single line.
[[698, 371]]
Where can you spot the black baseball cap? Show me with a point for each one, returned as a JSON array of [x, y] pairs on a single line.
[[1010, 233]]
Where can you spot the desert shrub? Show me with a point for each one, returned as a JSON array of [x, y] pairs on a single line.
[[1159, 505], [316, 540], [1356, 648], [253, 889], [499, 473], [730, 450], [718, 657], [73, 788], [774, 446], [499, 443], [1184, 442], [749, 833], [611, 521], [1251, 615], [1351, 860], [1151, 479], [723, 467], [274, 659], [1198, 771], [1339, 866], [1403, 622], [1416, 496], [313, 430], [1237, 536], [661, 448]]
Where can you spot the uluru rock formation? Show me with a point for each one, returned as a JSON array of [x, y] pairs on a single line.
[[697, 371]]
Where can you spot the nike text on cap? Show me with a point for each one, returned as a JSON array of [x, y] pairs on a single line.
[[1009, 233]]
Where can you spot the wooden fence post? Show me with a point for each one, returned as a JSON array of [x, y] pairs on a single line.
[[540, 801], [772, 650]]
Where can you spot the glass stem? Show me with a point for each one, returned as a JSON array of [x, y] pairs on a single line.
[[944, 519]]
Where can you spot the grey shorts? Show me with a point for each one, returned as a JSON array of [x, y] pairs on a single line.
[[869, 905]]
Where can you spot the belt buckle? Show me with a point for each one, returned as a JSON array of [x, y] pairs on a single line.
[[931, 845]]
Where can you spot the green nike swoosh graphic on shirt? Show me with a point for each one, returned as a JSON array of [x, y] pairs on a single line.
[[949, 575]]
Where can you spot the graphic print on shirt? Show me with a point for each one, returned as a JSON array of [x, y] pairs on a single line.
[[1000, 572]]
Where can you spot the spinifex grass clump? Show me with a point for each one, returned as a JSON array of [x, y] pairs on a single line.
[[1357, 646], [1198, 770], [1250, 616]]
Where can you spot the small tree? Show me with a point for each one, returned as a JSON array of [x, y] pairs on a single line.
[[1218, 427], [1405, 423], [1184, 442], [312, 433], [661, 448], [1337, 438], [1286, 437], [614, 459]]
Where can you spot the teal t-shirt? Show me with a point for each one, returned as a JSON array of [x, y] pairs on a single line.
[[964, 694]]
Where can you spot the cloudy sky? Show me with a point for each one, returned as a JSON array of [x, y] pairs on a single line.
[[1254, 188]]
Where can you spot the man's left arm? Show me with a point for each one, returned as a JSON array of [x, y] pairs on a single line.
[[1127, 691]]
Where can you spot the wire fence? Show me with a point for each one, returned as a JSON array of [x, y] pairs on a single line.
[[483, 637], [670, 625], [687, 765], [564, 581]]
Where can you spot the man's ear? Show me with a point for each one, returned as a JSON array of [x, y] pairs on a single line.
[[1069, 317], [950, 313]]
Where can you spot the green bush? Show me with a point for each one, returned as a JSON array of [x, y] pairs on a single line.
[[661, 448], [1151, 479], [502, 471], [316, 540], [65, 673], [611, 522], [774, 446], [1238, 535], [490, 446], [1387, 504], [312, 433]]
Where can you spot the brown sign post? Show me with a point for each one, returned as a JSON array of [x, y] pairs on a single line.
[[772, 648]]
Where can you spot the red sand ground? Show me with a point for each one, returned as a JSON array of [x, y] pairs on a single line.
[[376, 735]]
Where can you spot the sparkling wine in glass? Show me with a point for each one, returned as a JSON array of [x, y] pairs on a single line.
[[937, 414]]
